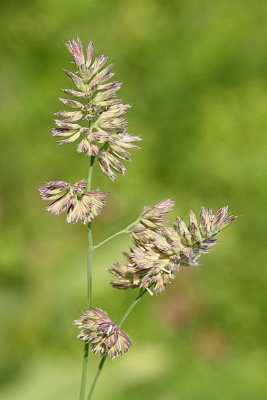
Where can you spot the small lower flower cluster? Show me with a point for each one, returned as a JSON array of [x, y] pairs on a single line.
[[104, 336], [73, 198], [162, 249]]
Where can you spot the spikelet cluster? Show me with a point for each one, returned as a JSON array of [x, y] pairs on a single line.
[[159, 252], [80, 205], [104, 336], [96, 115]]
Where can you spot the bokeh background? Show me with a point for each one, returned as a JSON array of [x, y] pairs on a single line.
[[195, 73]]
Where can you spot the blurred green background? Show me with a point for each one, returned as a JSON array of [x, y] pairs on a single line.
[[195, 73]]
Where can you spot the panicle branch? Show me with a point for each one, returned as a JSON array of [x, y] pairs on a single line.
[[73, 198], [104, 335], [160, 249]]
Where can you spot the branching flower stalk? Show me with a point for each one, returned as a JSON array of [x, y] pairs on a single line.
[[103, 359], [90, 252], [95, 119]]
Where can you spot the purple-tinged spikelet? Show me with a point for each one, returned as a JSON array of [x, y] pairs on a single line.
[[104, 336], [73, 199], [154, 218], [151, 220], [158, 255], [104, 134]]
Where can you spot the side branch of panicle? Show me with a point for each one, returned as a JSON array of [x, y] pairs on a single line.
[[159, 254], [80, 205], [104, 336], [95, 119]]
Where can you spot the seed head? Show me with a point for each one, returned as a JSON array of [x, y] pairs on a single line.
[[159, 254], [104, 335], [73, 198], [101, 129]]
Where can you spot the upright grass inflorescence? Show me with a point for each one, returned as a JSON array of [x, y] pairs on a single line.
[[94, 118]]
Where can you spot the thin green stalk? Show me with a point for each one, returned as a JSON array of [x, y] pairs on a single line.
[[138, 298], [99, 369], [103, 359], [89, 283], [125, 230], [90, 173], [84, 371]]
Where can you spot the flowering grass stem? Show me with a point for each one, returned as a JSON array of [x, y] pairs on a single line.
[[90, 173], [103, 359], [89, 283], [125, 230], [84, 371], [99, 369], [160, 249], [134, 303]]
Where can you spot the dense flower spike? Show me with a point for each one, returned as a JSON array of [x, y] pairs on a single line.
[[158, 255], [103, 335], [104, 134], [73, 199]]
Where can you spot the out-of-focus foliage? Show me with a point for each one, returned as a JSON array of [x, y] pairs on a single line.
[[195, 73]]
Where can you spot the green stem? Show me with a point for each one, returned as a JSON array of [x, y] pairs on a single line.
[[138, 298], [89, 266], [103, 359], [89, 283], [125, 230], [99, 369], [84, 371], [90, 173]]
